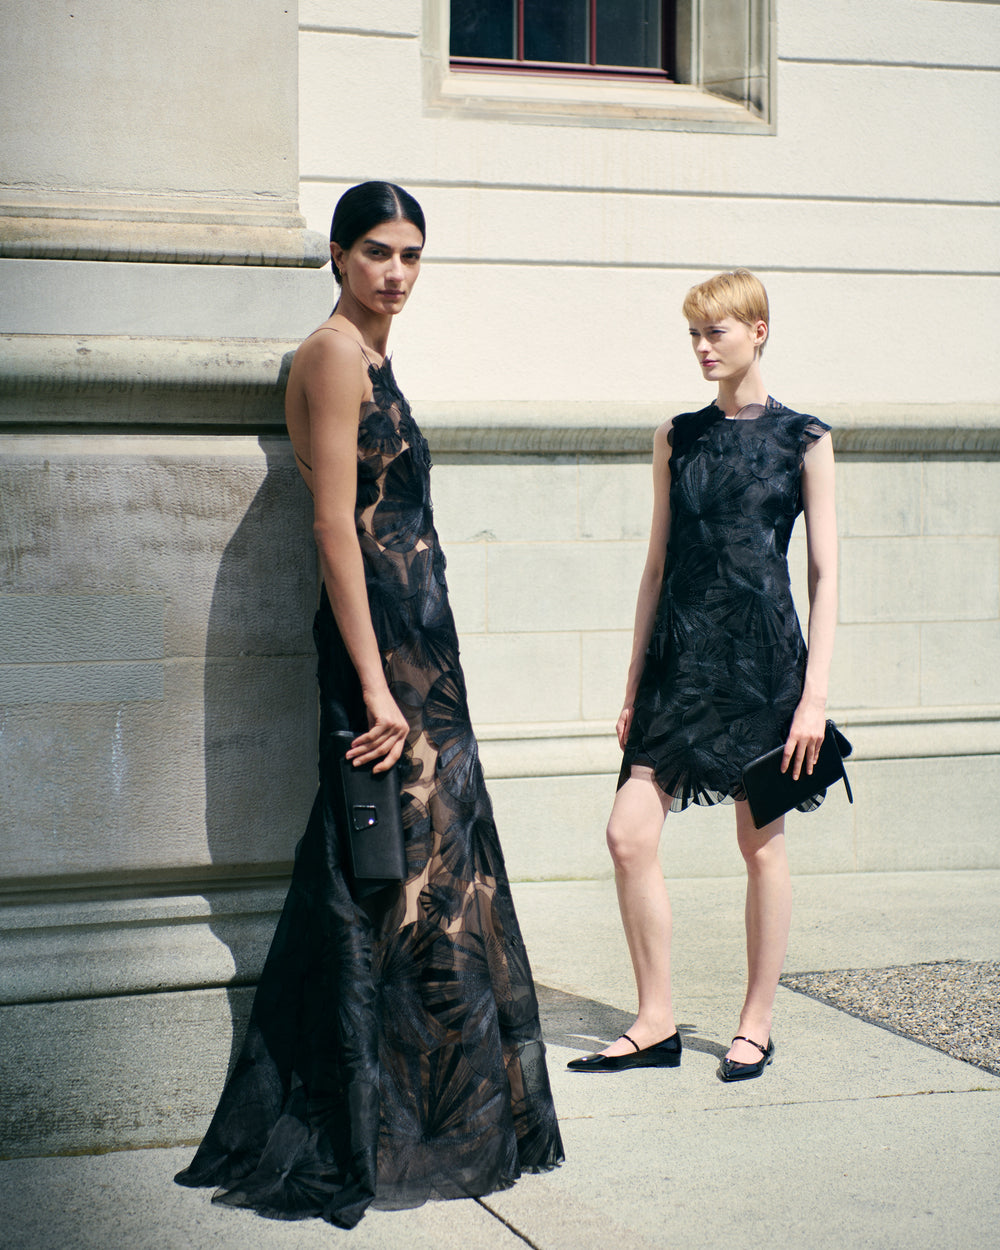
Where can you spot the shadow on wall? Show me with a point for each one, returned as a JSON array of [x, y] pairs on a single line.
[[260, 708]]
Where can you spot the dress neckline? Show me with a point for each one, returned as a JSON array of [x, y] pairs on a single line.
[[765, 409]]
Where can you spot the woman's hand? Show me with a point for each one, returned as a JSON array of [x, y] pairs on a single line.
[[386, 734], [804, 738], [624, 724]]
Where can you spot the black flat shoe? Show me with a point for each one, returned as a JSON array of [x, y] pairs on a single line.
[[730, 1070], [665, 1054]]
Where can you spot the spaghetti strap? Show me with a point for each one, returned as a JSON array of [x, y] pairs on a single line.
[[361, 346]]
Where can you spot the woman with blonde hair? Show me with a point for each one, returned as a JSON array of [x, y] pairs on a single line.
[[720, 673]]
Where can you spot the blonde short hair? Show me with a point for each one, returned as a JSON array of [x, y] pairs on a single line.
[[737, 293]]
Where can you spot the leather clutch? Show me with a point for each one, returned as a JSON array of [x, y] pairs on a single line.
[[771, 793], [371, 821]]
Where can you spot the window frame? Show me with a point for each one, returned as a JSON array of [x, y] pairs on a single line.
[[709, 97], [592, 68]]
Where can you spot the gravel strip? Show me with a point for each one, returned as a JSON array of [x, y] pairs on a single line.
[[953, 1006]]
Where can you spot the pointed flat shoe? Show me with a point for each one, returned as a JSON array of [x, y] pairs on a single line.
[[665, 1054], [730, 1070]]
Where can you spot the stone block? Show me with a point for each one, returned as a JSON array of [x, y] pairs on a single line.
[[466, 575], [560, 586], [616, 499], [876, 666], [878, 497], [43, 629], [504, 501], [522, 677], [196, 301], [103, 1073], [79, 683], [105, 947], [927, 814], [961, 496], [194, 522], [960, 663], [552, 828], [220, 773], [919, 579], [77, 140], [605, 669]]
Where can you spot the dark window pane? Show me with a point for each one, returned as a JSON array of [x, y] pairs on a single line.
[[484, 28], [629, 33], [556, 30]]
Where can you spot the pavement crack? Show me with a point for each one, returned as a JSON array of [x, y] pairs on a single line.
[[508, 1225], [820, 1102]]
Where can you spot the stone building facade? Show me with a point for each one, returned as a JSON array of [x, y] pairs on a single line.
[[168, 177]]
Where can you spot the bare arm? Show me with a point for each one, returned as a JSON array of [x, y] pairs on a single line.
[[809, 722], [333, 382], [651, 581]]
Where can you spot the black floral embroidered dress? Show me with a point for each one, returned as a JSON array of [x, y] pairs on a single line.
[[726, 660], [393, 1052]]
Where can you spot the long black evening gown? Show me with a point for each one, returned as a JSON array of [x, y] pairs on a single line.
[[726, 660], [393, 1052]]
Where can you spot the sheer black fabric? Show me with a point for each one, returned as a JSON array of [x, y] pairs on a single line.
[[726, 660], [394, 1052]]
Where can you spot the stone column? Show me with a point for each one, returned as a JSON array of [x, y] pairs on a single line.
[[152, 132], [157, 578]]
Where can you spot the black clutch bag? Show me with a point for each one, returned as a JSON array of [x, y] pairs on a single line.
[[370, 817], [771, 793]]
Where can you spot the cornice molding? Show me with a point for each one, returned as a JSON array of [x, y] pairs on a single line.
[[59, 381]]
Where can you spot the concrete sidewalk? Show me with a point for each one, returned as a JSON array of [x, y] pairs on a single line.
[[855, 1136]]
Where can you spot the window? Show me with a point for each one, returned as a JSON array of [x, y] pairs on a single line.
[[646, 64], [618, 38]]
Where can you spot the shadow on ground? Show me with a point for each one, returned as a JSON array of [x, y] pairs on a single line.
[[587, 1025]]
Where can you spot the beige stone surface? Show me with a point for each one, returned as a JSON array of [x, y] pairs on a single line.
[[545, 586], [927, 813], [102, 69], [604, 660], [878, 666], [616, 499], [659, 362], [522, 677], [552, 828], [961, 498], [466, 576], [880, 497], [919, 579], [902, 30], [960, 662], [505, 500]]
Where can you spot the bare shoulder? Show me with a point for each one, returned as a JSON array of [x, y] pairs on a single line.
[[819, 452], [328, 348], [662, 443]]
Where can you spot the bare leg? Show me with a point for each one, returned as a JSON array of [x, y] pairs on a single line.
[[768, 919], [634, 828]]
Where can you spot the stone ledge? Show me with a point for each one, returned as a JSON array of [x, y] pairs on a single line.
[[72, 380], [57, 951], [178, 242], [585, 747]]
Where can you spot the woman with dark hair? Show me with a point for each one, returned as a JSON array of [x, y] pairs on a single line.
[[393, 1052], [720, 673]]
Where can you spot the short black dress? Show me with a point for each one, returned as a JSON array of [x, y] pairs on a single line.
[[726, 661], [394, 1052]]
